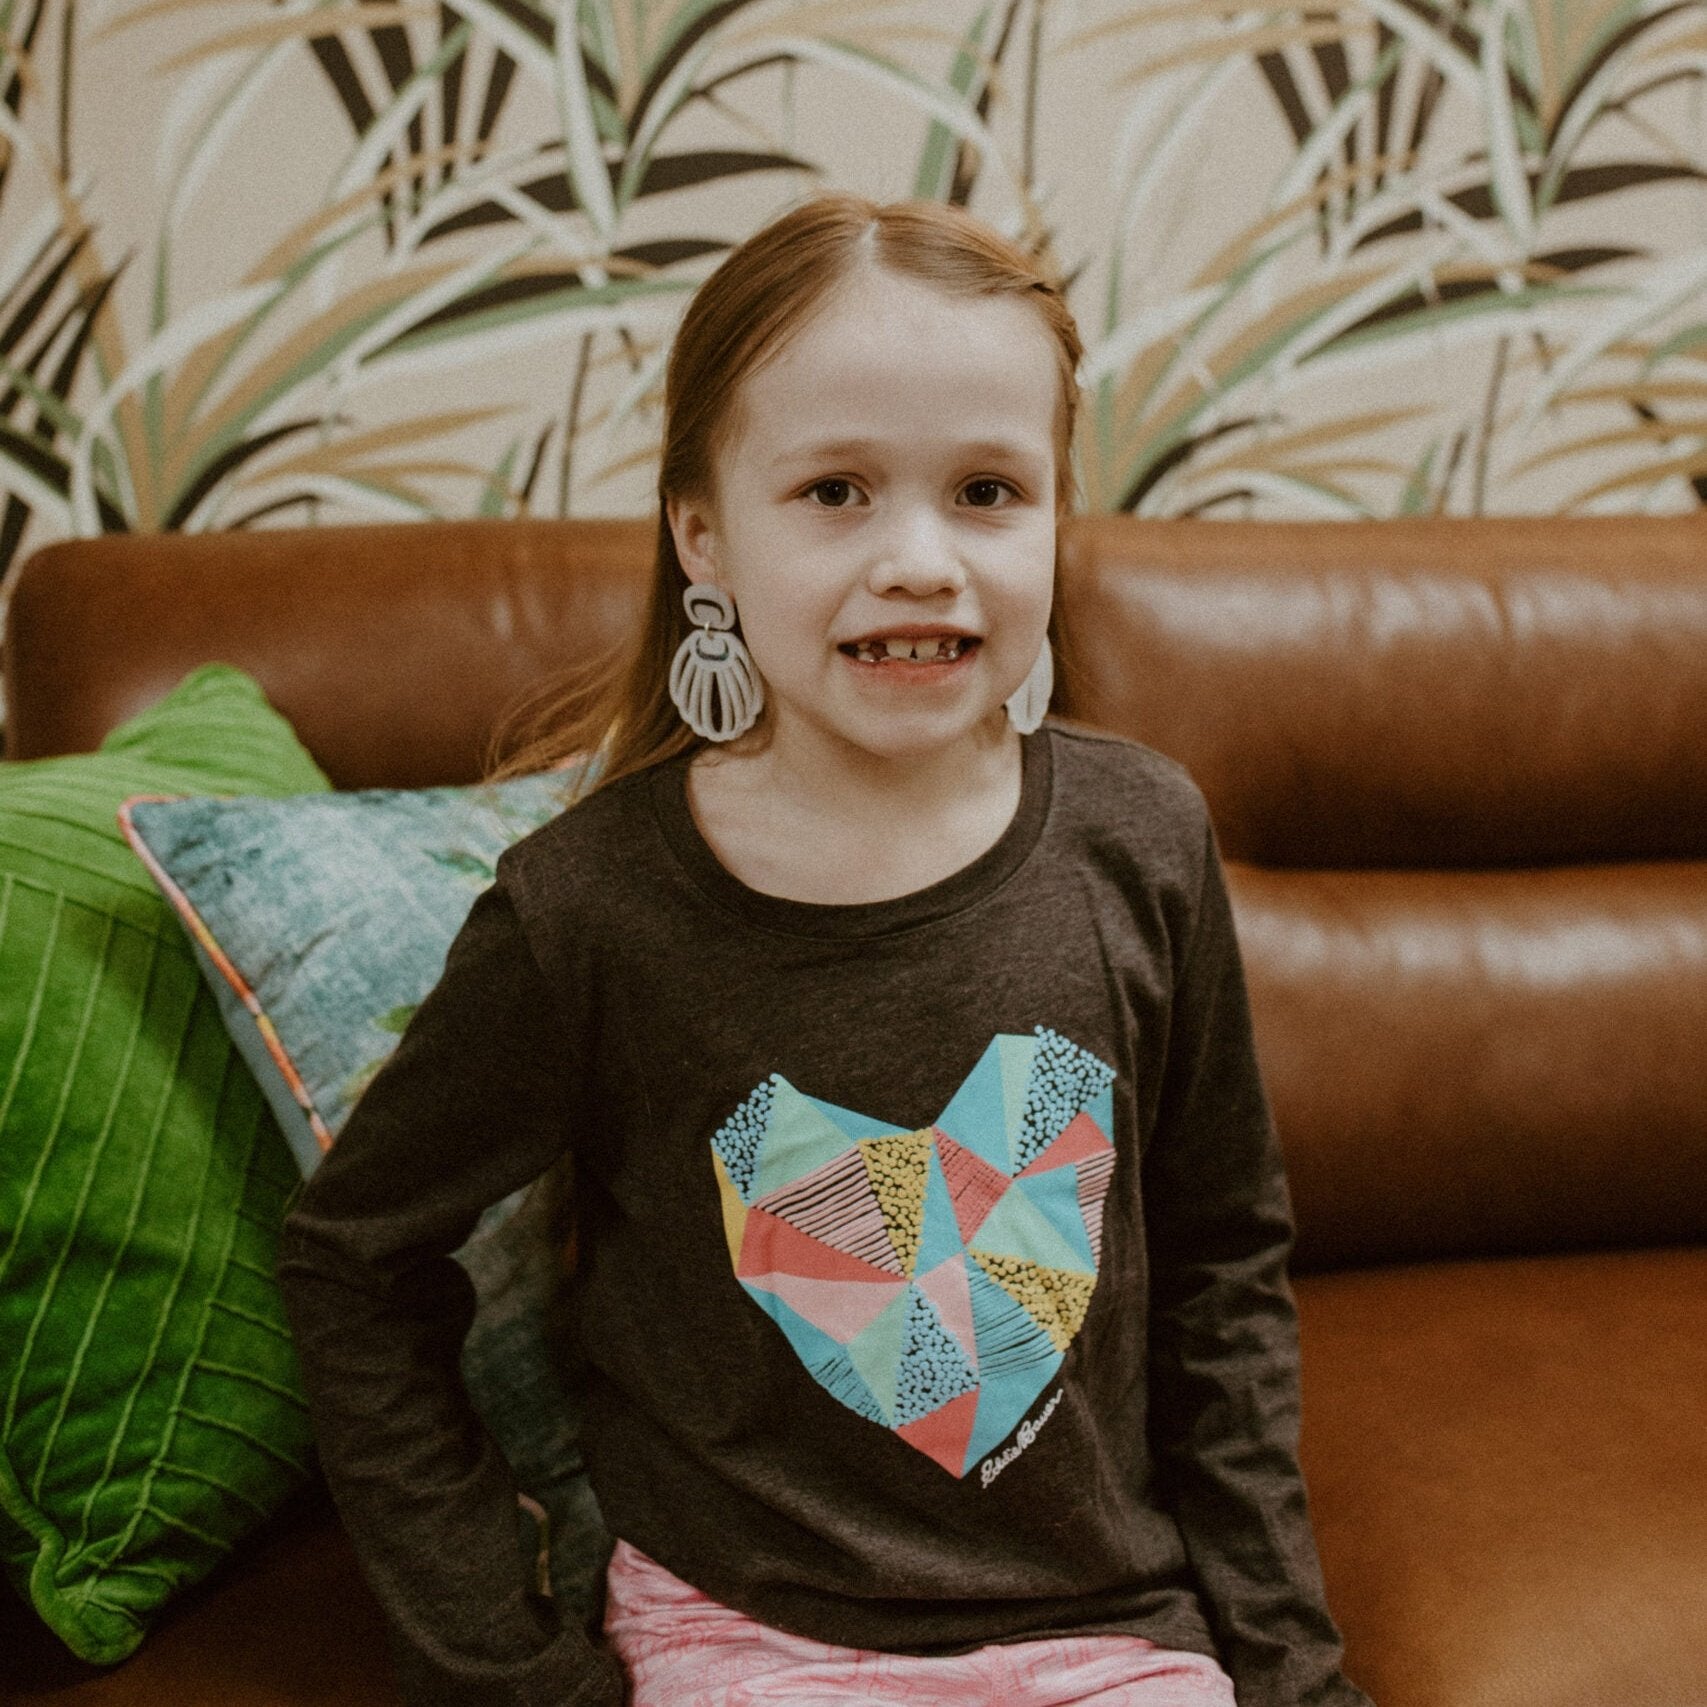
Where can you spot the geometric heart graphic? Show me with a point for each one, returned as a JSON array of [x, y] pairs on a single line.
[[930, 1280]]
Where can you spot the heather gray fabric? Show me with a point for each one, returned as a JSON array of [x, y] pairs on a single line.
[[619, 992]]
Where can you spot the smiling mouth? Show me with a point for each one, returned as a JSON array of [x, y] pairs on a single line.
[[936, 650]]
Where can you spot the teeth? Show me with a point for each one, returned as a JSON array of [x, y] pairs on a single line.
[[916, 651]]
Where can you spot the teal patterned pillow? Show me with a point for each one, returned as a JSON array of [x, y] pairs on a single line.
[[320, 924], [323, 921]]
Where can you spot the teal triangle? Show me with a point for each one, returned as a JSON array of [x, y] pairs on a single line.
[[876, 1352], [799, 1136], [1056, 1194], [827, 1362], [1017, 1055], [975, 1117], [1017, 1227], [939, 1232]]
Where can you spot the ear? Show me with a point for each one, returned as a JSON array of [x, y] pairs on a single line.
[[694, 529]]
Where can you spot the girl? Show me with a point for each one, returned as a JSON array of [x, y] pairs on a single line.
[[931, 1222]]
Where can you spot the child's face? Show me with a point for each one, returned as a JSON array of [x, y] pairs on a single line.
[[891, 477]]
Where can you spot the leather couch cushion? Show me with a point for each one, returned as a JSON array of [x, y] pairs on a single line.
[[1426, 692], [1483, 1062], [394, 651], [1508, 1476]]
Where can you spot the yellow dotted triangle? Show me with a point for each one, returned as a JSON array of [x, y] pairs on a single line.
[[899, 1170], [1055, 1298]]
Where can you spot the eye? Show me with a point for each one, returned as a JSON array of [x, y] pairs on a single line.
[[834, 493], [987, 492]]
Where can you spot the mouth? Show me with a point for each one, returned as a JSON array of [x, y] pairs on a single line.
[[911, 649]]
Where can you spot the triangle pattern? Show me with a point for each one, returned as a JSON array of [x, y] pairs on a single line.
[[841, 1310], [1093, 1176], [898, 1169], [835, 1205], [933, 1367], [773, 1246], [943, 1434], [947, 1288], [929, 1280], [1055, 1298], [973, 1185]]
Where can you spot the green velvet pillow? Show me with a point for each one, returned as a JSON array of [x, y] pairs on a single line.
[[149, 1408]]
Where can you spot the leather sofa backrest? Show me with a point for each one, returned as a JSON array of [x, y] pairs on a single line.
[[1458, 770]]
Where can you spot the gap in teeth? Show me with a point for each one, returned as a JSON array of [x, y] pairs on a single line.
[[912, 651]]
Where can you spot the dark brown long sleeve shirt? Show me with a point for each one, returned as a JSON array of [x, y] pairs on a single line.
[[932, 1250]]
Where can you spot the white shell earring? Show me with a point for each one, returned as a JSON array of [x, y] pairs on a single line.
[[1028, 704], [712, 679]]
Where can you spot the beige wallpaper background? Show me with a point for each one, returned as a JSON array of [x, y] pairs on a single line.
[[316, 260]]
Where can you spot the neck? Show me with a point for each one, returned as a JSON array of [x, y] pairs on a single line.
[[833, 780]]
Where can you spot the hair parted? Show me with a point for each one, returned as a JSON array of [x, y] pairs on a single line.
[[761, 294]]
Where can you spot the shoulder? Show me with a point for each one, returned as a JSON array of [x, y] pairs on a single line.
[[584, 850], [1118, 785], [1133, 824]]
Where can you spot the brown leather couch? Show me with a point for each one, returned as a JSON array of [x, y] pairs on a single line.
[[1459, 774]]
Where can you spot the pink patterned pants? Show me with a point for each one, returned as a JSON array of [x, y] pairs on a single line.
[[683, 1649]]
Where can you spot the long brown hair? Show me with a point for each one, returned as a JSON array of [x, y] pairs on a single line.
[[760, 295]]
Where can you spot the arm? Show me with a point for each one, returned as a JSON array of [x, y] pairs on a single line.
[[1224, 1405], [468, 1108]]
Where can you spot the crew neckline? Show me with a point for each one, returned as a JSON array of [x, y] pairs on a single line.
[[939, 900]]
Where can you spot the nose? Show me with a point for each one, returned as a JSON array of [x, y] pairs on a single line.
[[917, 554]]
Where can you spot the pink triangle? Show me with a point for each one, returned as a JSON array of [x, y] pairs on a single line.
[[774, 1246], [947, 1289], [1078, 1140], [841, 1308], [943, 1435], [973, 1184]]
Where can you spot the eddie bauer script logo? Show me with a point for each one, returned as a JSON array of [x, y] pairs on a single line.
[[1028, 1432]]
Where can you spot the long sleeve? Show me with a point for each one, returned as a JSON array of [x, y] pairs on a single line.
[[1223, 1336], [470, 1107]]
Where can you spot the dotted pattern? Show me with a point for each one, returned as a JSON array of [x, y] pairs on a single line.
[[738, 1139], [933, 1367], [1055, 1298], [898, 1169], [1064, 1079]]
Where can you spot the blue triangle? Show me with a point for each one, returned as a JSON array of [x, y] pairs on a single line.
[[877, 1350], [1017, 1054], [1004, 1401], [976, 1117], [857, 1125], [939, 1232], [1022, 1362]]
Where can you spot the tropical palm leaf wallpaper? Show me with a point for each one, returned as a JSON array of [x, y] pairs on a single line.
[[271, 261]]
